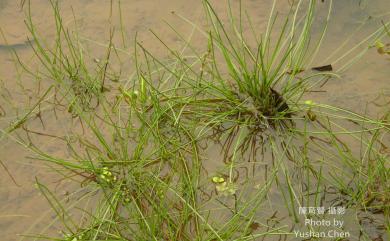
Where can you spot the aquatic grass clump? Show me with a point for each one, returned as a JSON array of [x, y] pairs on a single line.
[[250, 84], [66, 62], [366, 187], [137, 181], [133, 166], [254, 73], [341, 161], [240, 81]]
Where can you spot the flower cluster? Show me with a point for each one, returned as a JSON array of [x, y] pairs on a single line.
[[107, 176], [223, 187]]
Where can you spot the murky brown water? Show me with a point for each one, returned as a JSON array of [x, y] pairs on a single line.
[[21, 206]]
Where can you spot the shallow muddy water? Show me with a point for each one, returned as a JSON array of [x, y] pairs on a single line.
[[23, 210]]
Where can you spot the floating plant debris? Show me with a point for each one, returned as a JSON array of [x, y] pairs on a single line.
[[327, 67]]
